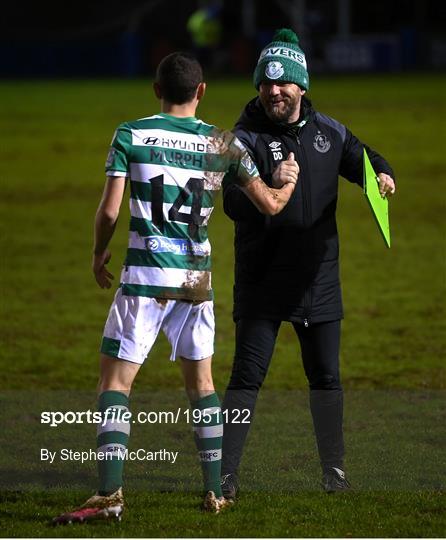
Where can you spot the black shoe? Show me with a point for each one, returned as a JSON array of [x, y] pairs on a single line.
[[334, 480], [229, 486]]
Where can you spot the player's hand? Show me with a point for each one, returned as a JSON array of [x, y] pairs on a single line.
[[101, 274], [386, 185], [286, 172]]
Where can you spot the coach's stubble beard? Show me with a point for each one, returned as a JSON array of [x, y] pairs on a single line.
[[281, 112]]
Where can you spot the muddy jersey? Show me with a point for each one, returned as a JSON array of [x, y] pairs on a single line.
[[175, 167]]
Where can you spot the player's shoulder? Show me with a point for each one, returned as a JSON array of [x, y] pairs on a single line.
[[235, 147], [125, 130], [145, 122], [228, 139], [122, 131], [210, 131]]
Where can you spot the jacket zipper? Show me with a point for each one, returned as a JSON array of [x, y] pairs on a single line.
[[306, 221]]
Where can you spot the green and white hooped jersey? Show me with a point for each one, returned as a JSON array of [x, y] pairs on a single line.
[[175, 167]]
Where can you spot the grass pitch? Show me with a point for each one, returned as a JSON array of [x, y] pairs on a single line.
[[54, 142]]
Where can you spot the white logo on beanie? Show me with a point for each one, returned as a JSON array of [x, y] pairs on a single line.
[[274, 70], [285, 52]]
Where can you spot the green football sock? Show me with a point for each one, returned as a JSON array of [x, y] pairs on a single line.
[[208, 428], [112, 438]]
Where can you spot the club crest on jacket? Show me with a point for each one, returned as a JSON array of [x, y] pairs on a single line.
[[321, 143]]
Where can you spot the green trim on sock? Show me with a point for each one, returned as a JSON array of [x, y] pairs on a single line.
[[211, 469], [110, 437], [112, 398], [211, 444], [110, 475], [205, 402], [111, 470]]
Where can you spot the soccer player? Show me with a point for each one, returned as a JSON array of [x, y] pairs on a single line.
[[175, 165]]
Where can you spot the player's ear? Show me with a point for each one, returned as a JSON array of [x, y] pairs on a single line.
[[201, 89], [157, 90]]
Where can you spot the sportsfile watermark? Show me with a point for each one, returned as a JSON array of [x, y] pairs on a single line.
[[117, 415], [112, 452], [397, 429]]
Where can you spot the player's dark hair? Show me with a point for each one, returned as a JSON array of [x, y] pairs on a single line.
[[178, 76]]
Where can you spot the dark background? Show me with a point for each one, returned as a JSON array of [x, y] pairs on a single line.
[[128, 38]]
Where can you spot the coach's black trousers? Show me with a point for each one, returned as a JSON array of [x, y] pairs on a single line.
[[255, 340]]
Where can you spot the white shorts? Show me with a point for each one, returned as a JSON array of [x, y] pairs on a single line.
[[134, 322]]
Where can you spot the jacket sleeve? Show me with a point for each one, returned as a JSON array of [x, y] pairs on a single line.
[[236, 204], [351, 166]]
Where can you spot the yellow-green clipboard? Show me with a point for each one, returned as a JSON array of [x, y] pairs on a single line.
[[378, 205]]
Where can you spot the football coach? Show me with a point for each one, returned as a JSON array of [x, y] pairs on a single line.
[[287, 266]]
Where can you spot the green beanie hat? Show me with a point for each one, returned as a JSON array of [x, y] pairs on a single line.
[[282, 60]]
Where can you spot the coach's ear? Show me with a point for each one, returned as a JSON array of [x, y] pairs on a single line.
[[201, 89], [157, 90]]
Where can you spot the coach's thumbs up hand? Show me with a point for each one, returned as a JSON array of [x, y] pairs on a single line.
[[286, 172]]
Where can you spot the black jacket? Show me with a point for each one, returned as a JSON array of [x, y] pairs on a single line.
[[286, 266]]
